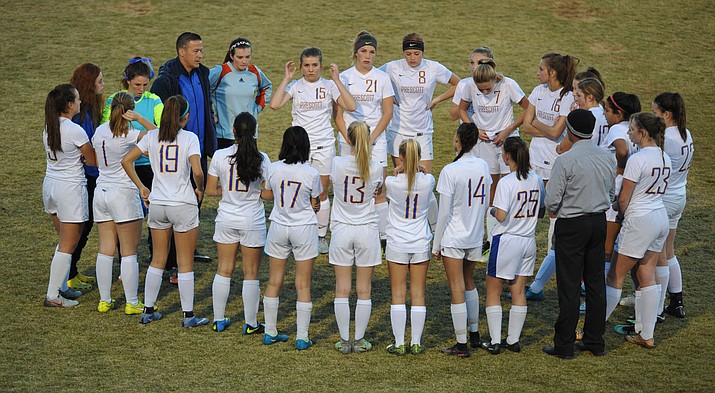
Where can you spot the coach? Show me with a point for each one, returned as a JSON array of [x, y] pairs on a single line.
[[579, 192]]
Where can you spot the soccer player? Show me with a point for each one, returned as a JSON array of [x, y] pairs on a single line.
[[474, 57]]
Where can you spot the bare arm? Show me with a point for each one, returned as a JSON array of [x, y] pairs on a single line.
[[387, 110], [128, 165], [280, 97], [198, 175], [624, 198], [553, 132], [621, 155], [453, 80], [133, 116], [212, 186], [503, 134], [463, 115], [529, 118], [90, 157], [345, 100]]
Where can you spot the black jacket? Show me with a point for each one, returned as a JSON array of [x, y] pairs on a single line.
[[167, 85]]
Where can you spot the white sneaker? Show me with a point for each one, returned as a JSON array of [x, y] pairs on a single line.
[[628, 301], [323, 247], [59, 301]]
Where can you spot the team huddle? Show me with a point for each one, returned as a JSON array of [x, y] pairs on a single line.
[[159, 153]]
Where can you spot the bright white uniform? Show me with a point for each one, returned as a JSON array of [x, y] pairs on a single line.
[[681, 155], [645, 226], [312, 108], [408, 230], [493, 112], [600, 129], [116, 197], [241, 216], [616, 132], [513, 250], [64, 190], [353, 221], [294, 226], [368, 91], [549, 106], [413, 89], [459, 94], [466, 182]]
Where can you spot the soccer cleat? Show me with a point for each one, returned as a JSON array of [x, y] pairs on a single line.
[[583, 289], [417, 349], [268, 339], [624, 329], [455, 350], [361, 345], [192, 322], [86, 279], [494, 349], [248, 329], [660, 318], [638, 340], [344, 346], [677, 311], [221, 325], [79, 285], [145, 318], [628, 301], [323, 246], [60, 301], [70, 294], [474, 340], [396, 349], [302, 345], [130, 309], [512, 347], [538, 296], [106, 306]]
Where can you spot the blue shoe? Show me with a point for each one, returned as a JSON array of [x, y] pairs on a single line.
[[146, 318], [582, 308], [538, 296], [302, 345], [194, 322], [248, 329], [268, 339], [221, 325]]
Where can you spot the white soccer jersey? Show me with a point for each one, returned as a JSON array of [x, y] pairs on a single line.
[[468, 182], [620, 131], [681, 155], [241, 206], [413, 89], [313, 107], [110, 152], [66, 165], [521, 200], [171, 167], [353, 201], [600, 129], [494, 112], [368, 91], [650, 169], [549, 106], [459, 94], [408, 229], [293, 186]]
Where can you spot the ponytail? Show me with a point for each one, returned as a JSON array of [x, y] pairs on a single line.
[[296, 146], [410, 152], [591, 72], [248, 159], [121, 103], [565, 67], [175, 108], [592, 86], [468, 135], [673, 103], [516, 148], [359, 136], [55, 105], [653, 125]]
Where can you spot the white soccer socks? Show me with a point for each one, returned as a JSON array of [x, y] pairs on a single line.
[[398, 319], [186, 291], [219, 293], [418, 314], [363, 309], [613, 296], [270, 313], [251, 294], [59, 268], [129, 269], [323, 217], [302, 320], [104, 276], [459, 321], [152, 283], [494, 315], [472, 300], [342, 317], [517, 316]]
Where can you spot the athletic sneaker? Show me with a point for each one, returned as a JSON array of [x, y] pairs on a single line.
[[221, 325], [538, 296], [474, 340], [302, 345], [583, 289], [660, 318], [106, 306], [70, 294], [396, 350], [638, 340], [494, 349], [624, 329], [268, 339], [130, 309], [417, 349], [323, 246], [193, 322], [60, 301], [628, 301], [512, 347], [485, 253], [582, 308], [361, 345], [676, 307], [79, 285], [86, 279], [248, 329], [344, 346], [145, 318], [455, 350]]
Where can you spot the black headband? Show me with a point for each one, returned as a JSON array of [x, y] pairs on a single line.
[[362, 43], [415, 45]]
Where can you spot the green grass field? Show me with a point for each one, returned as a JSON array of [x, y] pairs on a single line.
[[640, 47]]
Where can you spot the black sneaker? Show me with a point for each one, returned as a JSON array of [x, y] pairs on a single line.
[[512, 347], [474, 340], [455, 350], [494, 349]]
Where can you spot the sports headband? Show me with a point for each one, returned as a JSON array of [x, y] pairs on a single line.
[[577, 133], [362, 43], [137, 59], [186, 112], [418, 45], [614, 103], [241, 43]]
